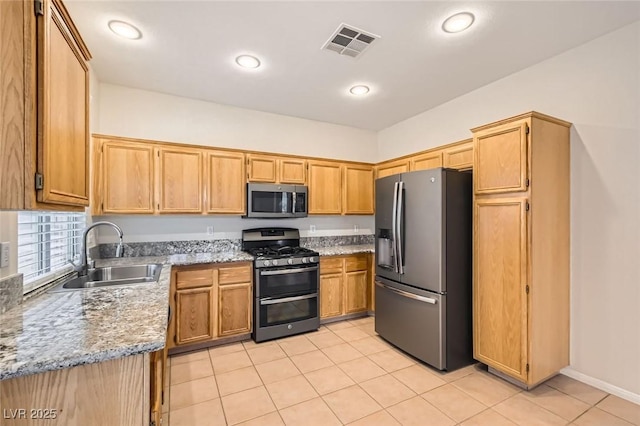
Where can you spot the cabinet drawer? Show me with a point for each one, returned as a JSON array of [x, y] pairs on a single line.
[[191, 278], [356, 263], [330, 265], [234, 274]]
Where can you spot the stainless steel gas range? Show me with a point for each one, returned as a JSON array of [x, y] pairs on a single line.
[[286, 298]]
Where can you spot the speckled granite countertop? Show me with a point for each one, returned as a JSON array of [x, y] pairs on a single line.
[[342, 250], [60, 330]]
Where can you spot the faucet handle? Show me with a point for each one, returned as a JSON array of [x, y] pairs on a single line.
[[76, 267]]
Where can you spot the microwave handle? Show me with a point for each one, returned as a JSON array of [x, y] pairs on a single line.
[[293, 207]]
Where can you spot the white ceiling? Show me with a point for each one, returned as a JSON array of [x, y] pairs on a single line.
[[188, 49]]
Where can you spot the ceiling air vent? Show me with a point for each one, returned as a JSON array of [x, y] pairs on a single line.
[[349, 41]]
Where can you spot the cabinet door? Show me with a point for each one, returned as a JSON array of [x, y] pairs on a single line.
[[292, 170], [127, 178], [325, 187], [179, 180], [194, 316], [388, 169], [63, 110], [234, 306], [262, 168], [157, 366], [499, 285], [13, 50], [358, 189], [331, 295], [459, 157], [500, 158], [356, 292], [430, 160], [226, 182]]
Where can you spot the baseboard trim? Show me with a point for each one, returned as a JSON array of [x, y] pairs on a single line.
[[602, 385]]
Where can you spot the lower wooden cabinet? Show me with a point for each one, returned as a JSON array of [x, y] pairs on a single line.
[[234, 314], [210, 301], [157, 368], [345, 285]]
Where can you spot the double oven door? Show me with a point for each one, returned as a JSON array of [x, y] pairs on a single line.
[[286, 301]]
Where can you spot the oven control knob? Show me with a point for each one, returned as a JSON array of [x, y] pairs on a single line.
[[290, 261], [312, 259], [275, 262], [266, 263], [305, 260]]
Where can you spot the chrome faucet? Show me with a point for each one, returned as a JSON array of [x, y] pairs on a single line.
[[85, 265]]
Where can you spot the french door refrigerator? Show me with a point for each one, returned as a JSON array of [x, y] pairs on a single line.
[[423, 265]]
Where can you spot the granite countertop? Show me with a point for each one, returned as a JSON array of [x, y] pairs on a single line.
[[51, 331], [61, 330], [342, 250]]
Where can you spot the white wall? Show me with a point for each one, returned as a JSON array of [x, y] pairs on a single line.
[[9, 233], [181, 228], [150, 115], [595, 86]]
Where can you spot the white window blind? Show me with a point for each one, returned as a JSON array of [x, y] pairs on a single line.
[[46, 241]]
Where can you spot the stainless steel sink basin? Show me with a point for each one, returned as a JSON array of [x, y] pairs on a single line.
[[110, 276]]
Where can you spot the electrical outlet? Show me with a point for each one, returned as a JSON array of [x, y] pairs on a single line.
[[356, 228], [4, 255], [312, 229], [209, 230]]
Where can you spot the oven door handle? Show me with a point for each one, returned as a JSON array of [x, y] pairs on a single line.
[[289, 271], [270, 301]]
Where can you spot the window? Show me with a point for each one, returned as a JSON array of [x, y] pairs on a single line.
[[46, 242]]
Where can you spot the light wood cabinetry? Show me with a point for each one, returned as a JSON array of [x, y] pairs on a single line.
[[325, 187], [44, 99], [127, 180], [157, 367], [358, 189], [458, 157], [180, 180], [140, 177], [392, 167], [226, 187], [115, 392], [521, 246], [429, 160], [276, 169], [210, 301], [345, 285]]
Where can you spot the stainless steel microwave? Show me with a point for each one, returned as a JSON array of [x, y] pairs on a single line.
[[265, 200]]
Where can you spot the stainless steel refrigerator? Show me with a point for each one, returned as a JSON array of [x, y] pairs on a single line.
[[423, 265]]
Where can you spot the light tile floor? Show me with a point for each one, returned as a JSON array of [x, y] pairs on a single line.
[[345, 374]]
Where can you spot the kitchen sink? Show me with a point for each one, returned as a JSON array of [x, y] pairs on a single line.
[[110, 276]]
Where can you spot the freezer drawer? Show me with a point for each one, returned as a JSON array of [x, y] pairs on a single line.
[[413, 320]]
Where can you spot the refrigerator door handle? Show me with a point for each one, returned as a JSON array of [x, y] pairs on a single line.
[[406, 294], [393, 227], [399, 226]]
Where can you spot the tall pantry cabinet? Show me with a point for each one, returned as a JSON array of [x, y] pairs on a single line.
[[521, 246]]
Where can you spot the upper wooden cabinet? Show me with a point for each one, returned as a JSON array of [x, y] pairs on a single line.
[[325, 187], [225, 182], [458, 157], [358, 189], [501, 158], [125, 178], [521, 246], [138, 177], [429, 160], [276, 169], [389, 168], [180, 180], [45, 108]]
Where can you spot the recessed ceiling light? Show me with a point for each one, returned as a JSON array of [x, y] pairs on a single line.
[[359, 90], [458, 22], [124, 29], [248, 61]]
